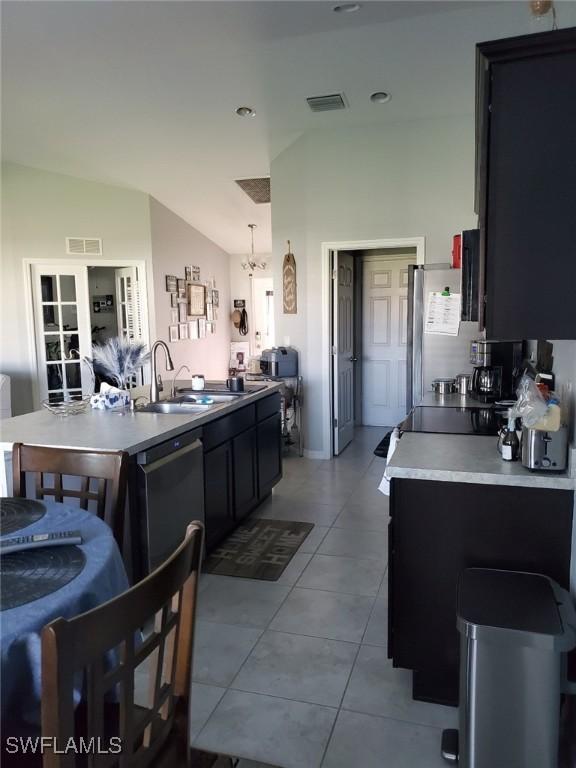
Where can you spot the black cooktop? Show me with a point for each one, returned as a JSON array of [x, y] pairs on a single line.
[[454, 421]]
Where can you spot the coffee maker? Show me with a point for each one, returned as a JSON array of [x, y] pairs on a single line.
[[497, 366]]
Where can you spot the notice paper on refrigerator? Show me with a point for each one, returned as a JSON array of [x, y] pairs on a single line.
[[442, 314]]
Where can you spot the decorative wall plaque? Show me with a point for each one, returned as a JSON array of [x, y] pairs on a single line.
[[289, 287]]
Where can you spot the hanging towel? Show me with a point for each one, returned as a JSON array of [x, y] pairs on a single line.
[[384, 486]]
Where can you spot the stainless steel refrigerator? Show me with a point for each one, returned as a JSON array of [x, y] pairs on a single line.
[[431, 356]]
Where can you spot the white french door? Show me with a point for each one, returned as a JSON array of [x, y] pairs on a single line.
[[343, 358], [62, 326]]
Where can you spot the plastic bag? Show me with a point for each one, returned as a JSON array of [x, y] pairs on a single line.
[[530, 406]]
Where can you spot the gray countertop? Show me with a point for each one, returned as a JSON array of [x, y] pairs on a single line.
[[112, 430], [431, 399], [465, 459]]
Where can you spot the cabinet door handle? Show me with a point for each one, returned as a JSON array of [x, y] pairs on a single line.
[[353, 359]]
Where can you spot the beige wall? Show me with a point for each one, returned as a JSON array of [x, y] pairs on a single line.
[[39, 210], [363, 183], [175, 244]]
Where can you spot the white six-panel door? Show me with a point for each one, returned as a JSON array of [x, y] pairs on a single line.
[[384, 327], [63, 334]]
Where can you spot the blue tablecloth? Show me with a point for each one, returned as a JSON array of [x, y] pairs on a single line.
[[102, 578]]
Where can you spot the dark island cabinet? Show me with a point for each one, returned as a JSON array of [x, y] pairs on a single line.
[[269, 454], [245, 473], [242, 463], [439, 528], [526, 185], [218, 494]]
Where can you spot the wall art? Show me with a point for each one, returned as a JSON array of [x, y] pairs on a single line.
[[289, 286], [196, 296], [171, 283]]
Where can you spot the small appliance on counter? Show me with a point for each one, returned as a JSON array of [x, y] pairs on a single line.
[[444, 386], [463, 383], [543, 450], [497, 368], [279, 362]]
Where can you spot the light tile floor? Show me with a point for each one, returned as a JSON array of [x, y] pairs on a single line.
[[294, 673]]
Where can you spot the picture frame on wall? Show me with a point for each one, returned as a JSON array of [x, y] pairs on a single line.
[[181, 284], [173, 316], [171, 283], [182, 312], [173, 333], [195, 274], [215, 297], [196, 299], [188, 273], [174, 300], [183, 331]]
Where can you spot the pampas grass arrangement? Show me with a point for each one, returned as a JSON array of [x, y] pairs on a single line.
[[119, 359]]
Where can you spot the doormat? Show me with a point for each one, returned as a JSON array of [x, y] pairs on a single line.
[[258, 550]]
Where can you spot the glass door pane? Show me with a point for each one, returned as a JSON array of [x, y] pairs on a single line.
[[63, 331]]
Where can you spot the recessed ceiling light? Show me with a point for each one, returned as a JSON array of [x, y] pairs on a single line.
[[245, 112], [380, 97], [346, 7]]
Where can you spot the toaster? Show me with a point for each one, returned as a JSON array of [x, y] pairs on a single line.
[[545, 450], [280, 362]]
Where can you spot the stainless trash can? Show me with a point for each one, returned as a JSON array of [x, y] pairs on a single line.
[[515, 629]]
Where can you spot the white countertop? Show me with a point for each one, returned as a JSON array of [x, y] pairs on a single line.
[[465, 459], [123, 430], [431, 399]]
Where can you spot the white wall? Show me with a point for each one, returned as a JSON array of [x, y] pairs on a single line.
[[357, 183], [39, 210], [175, 244]]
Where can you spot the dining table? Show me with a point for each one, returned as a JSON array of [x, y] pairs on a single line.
[[40, 585]]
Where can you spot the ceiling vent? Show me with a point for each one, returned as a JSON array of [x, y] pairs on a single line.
[[326, 103], [84, 246], [258, 190]]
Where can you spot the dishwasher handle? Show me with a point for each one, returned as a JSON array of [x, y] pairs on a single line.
[[152, 466], [168, 447]]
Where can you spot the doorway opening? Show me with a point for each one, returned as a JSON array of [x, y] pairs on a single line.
[[262, 336], [367, 335], [73, 307]]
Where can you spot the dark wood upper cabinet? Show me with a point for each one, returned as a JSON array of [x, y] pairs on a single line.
[[526, 185]]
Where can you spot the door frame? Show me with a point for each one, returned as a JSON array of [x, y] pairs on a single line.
[[419, 243], [69, 262]]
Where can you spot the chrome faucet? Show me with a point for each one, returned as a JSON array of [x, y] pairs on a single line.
[[173, 387], [155, 385]]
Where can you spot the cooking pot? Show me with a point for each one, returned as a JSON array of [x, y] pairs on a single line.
[[443, 386]]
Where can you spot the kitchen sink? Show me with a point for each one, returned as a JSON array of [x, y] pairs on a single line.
[[179, 407], [218, 395], [217, 398]]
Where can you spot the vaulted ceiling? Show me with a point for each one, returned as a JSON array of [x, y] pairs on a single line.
[[143, 94]]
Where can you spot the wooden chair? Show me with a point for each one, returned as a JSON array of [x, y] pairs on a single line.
[[106, 645], [109, 469]]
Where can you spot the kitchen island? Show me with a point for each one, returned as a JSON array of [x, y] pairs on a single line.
[[455, 504], [229, 458]]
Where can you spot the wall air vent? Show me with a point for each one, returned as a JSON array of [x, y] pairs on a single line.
[[327, 103], [258, 190], [84, 246]]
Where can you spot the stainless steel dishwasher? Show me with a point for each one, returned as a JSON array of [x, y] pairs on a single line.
[[170, 487]]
